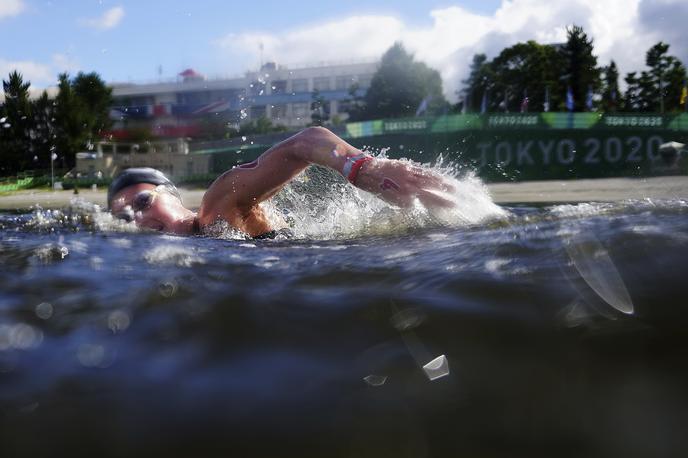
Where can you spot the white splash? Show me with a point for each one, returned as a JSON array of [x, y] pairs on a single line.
[[172, 255], [319, 204]]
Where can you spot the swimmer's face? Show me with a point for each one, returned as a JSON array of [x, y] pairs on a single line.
[[152, 207]]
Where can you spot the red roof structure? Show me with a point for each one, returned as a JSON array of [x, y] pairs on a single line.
[[190, 73]]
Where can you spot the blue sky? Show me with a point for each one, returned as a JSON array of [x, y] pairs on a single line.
[[172, 34], [126, 40]]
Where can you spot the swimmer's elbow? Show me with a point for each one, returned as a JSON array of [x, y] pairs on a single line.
[[310, 136]]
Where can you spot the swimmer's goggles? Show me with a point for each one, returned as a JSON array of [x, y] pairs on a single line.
[[141, 202]]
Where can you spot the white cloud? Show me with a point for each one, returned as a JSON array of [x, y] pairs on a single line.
[[37, 73], [41, 76], [110, 19], [331, 41], [64, 63], [623, 30], [10, 8]]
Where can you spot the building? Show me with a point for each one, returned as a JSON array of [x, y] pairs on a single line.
[[172, 157], [184, 107]]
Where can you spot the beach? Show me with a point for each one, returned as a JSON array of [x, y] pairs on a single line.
[[547, 191]]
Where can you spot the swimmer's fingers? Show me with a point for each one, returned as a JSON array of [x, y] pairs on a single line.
[[400, 183]]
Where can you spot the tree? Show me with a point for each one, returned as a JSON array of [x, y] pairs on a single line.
[[95, 98], [610, 88], [580, 66], [320, 112], [475, 84], [70, 121], [355, 104], [523, 69], [659, 88], [81, 113], [43, 133], [632, 101], [16, 129], [400, 85]]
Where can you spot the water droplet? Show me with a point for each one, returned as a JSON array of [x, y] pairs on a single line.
[[51, 252], [96, 263], [5, 336], [437, 368], [23, 337], [407, 319], [90, 355], [167, 288], [118, 321], [44, 310], [375, 380]]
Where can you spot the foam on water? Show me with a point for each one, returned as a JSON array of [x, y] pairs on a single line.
[[319, 204]]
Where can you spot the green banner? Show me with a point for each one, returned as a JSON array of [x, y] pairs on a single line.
[[520, 146], [518, 121], [536, 154]]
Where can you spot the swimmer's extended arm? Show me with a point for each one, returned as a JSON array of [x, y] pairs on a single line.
[[240, 190]]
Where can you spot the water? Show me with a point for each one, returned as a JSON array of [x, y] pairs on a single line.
[[518, 331]]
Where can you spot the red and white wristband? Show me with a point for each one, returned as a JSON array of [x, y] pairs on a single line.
[[353, 165]]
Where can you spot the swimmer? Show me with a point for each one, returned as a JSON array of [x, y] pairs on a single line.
[[147, 197]]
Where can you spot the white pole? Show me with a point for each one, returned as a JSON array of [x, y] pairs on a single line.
[[53, 156]]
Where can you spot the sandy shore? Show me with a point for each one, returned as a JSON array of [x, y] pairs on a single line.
[[601, 190], [607, 189]]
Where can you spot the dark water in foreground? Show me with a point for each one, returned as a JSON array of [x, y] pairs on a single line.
[[553, 331]]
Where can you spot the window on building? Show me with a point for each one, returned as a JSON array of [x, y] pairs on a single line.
[[257, 111], [279, 87], [299, 85], [344, 106], [194, 98], [278, 112], [344, 82], [257, 88], [364, 81], [300, 110], [134, 101], [226, 95], [321, 83]]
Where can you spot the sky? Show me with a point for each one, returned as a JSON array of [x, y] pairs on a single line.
[[144, 41]]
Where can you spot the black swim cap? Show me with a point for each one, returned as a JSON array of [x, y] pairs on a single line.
[[134, 176]]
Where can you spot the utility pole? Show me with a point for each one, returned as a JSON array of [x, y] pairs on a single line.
[[53, 156], [260, 45]]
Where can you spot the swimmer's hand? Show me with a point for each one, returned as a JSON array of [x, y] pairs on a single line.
[[400, 183]]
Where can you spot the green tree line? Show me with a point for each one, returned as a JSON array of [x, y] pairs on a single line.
[[32, 131], [568, 77], [400, 87]]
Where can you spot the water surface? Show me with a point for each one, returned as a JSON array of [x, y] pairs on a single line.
[[365, 331]]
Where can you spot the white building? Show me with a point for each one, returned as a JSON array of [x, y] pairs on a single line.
[[281, 94]]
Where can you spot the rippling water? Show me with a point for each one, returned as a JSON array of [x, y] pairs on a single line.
[[538, 331]]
